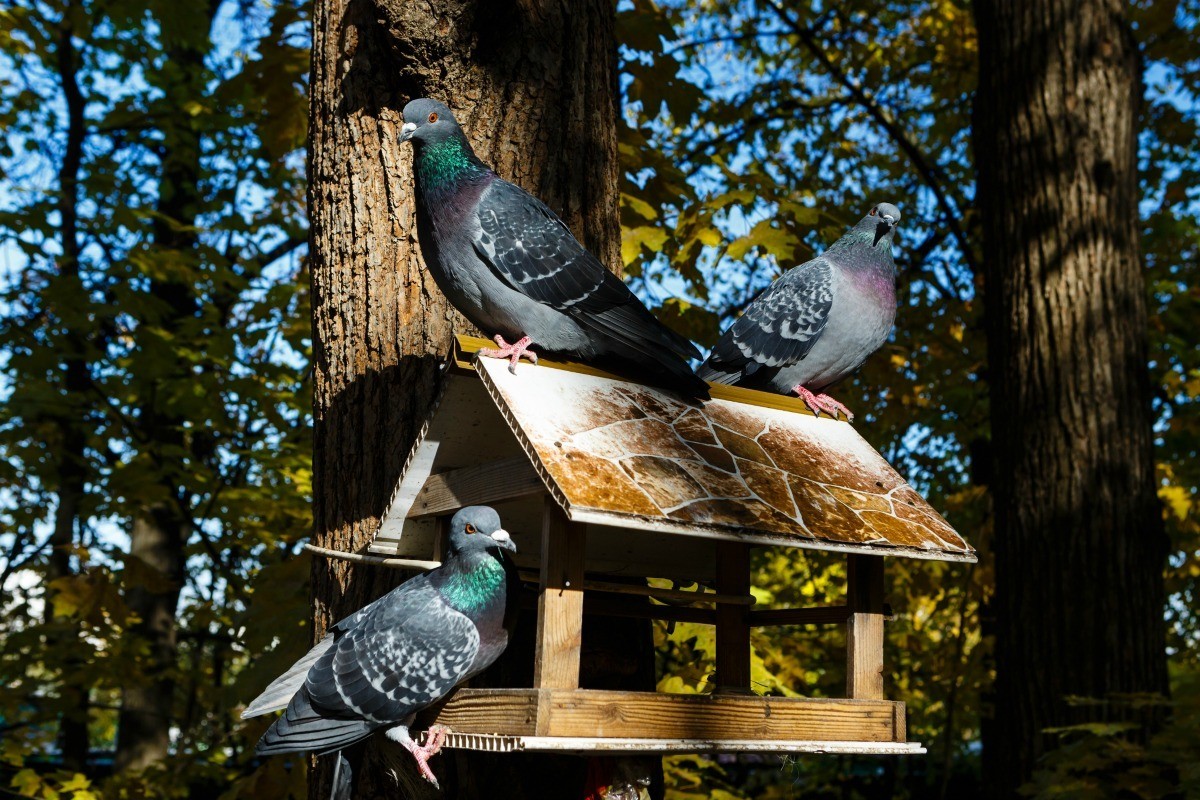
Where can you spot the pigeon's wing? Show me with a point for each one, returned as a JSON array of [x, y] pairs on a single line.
[[406, 651], [777, 329], [281, 690], [534, 252]]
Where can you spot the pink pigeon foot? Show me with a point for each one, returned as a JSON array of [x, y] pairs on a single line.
[[513, 352], [434, 738], [822, 402]]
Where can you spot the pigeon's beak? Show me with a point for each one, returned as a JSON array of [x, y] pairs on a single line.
[[504, 540], [884, 227], [407, 131]]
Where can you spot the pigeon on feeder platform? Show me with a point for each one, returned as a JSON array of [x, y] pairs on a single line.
[[513, 268], [819, 322], [381, 665]]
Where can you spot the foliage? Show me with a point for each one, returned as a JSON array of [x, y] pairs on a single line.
[[153, 350], [753, 132], [1096, 761]]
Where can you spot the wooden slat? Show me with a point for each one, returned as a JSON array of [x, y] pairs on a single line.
[[864, 628], [647, 715], [813, 615], [449, 491], [635, 608], [733, 627], [560, 601]]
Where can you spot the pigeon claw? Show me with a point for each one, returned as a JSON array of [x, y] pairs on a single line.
[[822, 402], [434, 738], [513, 352]]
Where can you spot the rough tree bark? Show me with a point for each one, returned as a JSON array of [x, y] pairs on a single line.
[[534, 85], [1079, 540]]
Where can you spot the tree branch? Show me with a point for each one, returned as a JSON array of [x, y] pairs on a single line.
[[930, 174]]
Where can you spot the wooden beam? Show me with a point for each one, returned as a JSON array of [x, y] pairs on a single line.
[[649, 715], [733, 626], [560, 601], [864, 628], [493, 482]]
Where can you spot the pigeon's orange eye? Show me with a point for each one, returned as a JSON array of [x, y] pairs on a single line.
[[470, 527], [433, 118], [872, 210]]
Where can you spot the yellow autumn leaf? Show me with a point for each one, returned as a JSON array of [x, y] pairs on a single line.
[[78, 782], [1177, 499]]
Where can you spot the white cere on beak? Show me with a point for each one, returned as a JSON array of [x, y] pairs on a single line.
[[890, 219], [501, 536], [407, 129]]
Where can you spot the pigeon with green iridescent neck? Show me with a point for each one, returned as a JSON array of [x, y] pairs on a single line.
[[381, 665], [511, 266], [819, 322]]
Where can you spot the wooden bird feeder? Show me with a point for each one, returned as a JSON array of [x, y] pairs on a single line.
[[600, 479]]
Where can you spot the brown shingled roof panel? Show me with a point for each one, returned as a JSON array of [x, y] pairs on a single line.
[[621, 454]]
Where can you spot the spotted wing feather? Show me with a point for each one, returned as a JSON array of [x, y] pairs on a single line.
[[533, 251], [387, 661], [779, 328]]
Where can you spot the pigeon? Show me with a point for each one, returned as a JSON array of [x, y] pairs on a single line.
[[817, 323], [381, 665], [513, 268]]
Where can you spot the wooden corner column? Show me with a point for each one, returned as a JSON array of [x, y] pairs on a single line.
[[864, 628], [560, 601], [733, 622]]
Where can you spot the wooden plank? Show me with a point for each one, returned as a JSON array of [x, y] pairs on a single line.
[[648, 715], [560, 601], [449, 491], [498, 711], [864, 628], [733, 626]]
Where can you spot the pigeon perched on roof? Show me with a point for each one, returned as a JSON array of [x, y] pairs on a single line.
[[817, 323], [381, 665], [513, 268]]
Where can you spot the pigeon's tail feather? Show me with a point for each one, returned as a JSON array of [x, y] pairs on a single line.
[[277, 696], [713, 374], [655, 370], [303, 729], [343, 778]]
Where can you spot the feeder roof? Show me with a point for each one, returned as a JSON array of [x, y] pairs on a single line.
[[745, 465]]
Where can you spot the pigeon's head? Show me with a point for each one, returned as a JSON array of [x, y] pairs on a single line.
[[881, 222], [427, 121], [478, 528]]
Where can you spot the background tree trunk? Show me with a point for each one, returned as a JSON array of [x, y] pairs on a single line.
[[534, 86], [1079, 539], [160, 530]]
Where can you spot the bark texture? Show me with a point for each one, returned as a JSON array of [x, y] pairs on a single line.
[[1079, 540], [533, 84]]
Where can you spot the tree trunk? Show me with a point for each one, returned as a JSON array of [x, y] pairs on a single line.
[[534, 86], [160, 531], [72, 463], [1079, 539]]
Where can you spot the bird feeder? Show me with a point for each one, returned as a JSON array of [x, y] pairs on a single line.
[[601, 480]]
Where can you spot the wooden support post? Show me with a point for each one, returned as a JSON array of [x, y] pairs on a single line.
[[560, 601], [864, 628], [733, 623]]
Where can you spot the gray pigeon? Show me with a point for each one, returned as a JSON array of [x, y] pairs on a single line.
[[817, 323], [511, 266], [381, 665]]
